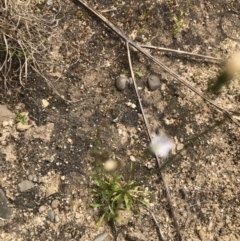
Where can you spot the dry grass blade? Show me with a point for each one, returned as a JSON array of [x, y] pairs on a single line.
[[23, 39], [206, 57], [156, 222]]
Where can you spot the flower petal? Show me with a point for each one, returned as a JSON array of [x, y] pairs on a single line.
[[161, 145]]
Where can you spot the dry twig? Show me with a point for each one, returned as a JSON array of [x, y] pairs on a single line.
[[156, 222], [150, 137], [206, 57]]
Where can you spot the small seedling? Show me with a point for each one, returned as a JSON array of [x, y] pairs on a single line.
[[197, 74], [178, 24], [113, 191], [113, 194], [22, 118], [139, 74]]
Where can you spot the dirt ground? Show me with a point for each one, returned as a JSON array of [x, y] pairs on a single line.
[[45, 165]]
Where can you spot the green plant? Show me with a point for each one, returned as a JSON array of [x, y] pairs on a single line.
[[139, 74], [113, 193], [197, 74], [22, 118], [178, 23]]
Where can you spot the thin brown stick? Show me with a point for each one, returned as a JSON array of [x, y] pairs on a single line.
[[155, 60], [182, 52], [149, 135], [136, 90], [156, 222]]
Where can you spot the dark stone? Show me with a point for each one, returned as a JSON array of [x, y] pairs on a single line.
[[5, 211], [153, 82]]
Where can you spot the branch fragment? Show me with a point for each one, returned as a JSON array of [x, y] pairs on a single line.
[[150, 137]]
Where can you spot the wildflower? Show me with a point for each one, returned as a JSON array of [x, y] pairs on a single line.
[[161, 145]]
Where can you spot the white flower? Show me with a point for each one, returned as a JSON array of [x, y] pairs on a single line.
[[161, 145]]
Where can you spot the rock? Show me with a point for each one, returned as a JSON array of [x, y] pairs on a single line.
[[45, 103], [121, 82], [42, 209], [5, 123], [25, 185], [2, 223], [153, 82], [54, 186], [3, 143], [133, 106], [49, 2], [35, 179], [56, 219], [5, 114], [41, 132], [202, 235], [180, 146], [51, 215], [78, 215], [136, 236], [21, 127], [30, 177], [101, 237], [55, 203], [132, 158], [5, 211]]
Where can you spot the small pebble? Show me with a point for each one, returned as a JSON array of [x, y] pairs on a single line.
[[4, 143], [30, 177], [202, 235], [169, 54], [25, 185], [57, 219], [42, 209], [121, 82], [5, 123], [132, 158], [51, 215], [55, 203], [49, 2], [120, 131], [45, 103], [35, 179], [153, 82], [133, 106], [101, 237], [21, 127], [77, 215], [5, 211], [180, 146]]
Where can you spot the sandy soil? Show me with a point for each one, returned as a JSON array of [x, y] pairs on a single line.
[[46, 165]]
